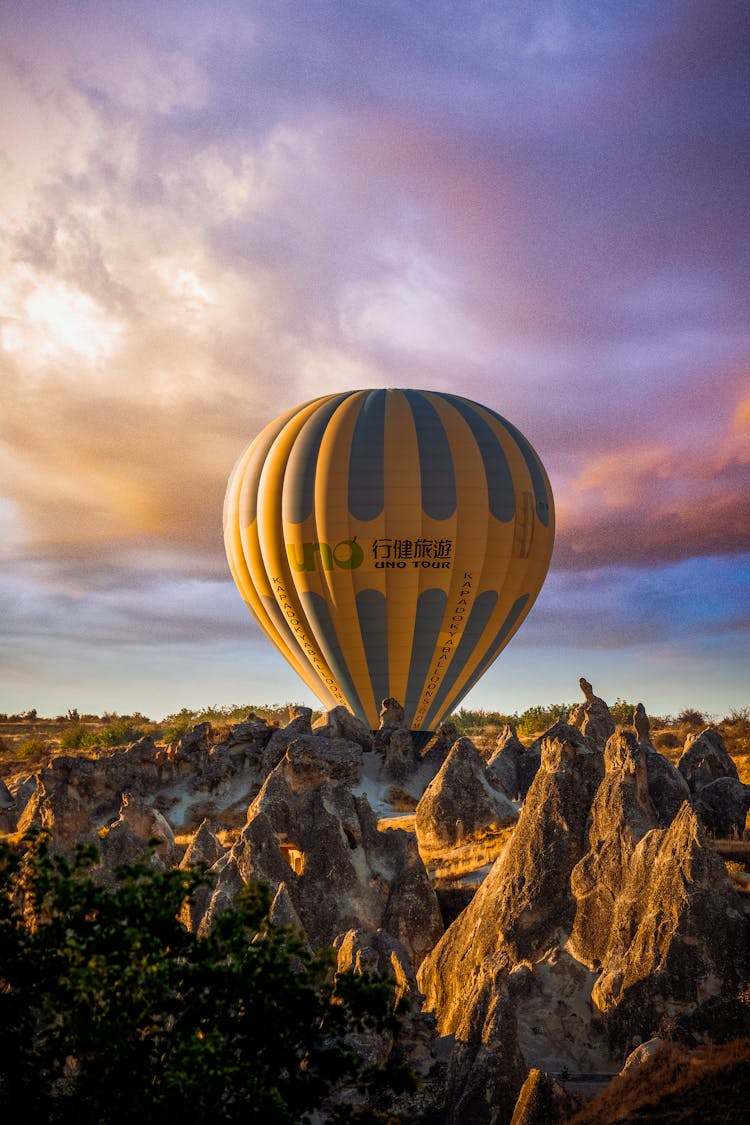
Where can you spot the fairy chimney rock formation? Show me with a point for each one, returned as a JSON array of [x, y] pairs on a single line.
[[525, 905], [678, 937], [340, 871], [642, 724], [592, 717], [461, 800], [705, 758], [621, 814], [508, 765]]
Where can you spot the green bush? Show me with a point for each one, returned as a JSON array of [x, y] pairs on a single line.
[[73, 739], [535, 720], [116, 732], [469, 723], [31, 748], [111, 1010], [622, 712]]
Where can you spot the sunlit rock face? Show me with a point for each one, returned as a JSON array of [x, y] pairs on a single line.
[[308, 831], [593, 717], [621, 814], [139, 830], [679, 935], [525, 904], [377, 951], [73, 797], [461, 801], [543, 1101], [499, 963], [594, 925], [704, 759], [720, 799]]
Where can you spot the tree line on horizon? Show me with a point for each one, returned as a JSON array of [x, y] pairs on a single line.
[[109, 730]]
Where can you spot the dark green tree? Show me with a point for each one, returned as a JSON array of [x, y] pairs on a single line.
[[112, 1011]]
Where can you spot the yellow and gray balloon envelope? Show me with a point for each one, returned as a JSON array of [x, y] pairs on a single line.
[[390, 543]]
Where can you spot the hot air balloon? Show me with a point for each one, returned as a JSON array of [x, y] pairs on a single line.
[[389, 543]]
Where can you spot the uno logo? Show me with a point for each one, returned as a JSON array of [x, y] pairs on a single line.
[[346, 555]]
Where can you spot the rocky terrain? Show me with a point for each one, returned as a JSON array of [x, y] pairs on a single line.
[[607, 921]]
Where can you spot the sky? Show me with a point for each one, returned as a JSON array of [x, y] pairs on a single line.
[[211, 212]]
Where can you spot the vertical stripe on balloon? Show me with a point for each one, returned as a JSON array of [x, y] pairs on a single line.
[[435, 459], [373, 624], [366, 459]]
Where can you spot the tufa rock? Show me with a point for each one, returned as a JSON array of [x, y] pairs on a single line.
[[642, 1053], [705, 758], [140, 835], [195, 741], [509, 767], [486, 1069], [391, 714], [283, 912], [641, 724], [666, 785], [621, 815], [341, 873], [461, 800], [525, 907], [436, 753], [252, 731], [276, 747], [543, 1101], [592, 717], [205, 848], [366, 951], [314, 759], [399, 756], [679, 936], [341, 723], [722, 806]]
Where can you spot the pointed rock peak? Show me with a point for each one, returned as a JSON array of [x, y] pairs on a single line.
[[464, 750], [205, 847], [543, 1100], [642, 724], [283, 911], [686, 828], [461, 800], [593, 717], [507, 736], [562, 744], [623, 752], [705, 758]]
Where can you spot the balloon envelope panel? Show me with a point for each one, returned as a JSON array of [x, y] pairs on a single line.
[[390, 543]]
